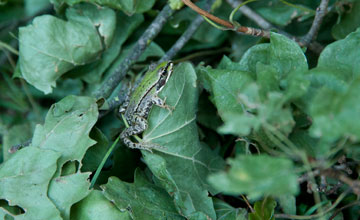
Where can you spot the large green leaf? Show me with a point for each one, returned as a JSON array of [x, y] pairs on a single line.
[[142, 199], [50, 47], [336, 83], [342, 56], [283, 54], [257, 176], [183, 163], [95, 206], [334, 113], [67, 127], [66, 130], [24, 180]]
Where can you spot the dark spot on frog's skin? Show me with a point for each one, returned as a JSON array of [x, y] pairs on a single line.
[[81, 115]]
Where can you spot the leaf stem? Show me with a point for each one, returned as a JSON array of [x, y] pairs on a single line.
[[101, 165]]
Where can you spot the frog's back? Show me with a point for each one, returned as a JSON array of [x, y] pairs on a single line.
[[140, 92]]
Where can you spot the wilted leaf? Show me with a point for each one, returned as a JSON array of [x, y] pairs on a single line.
[[257, 176], [64, 44], [142, 199], [31, 168], [182, 164]]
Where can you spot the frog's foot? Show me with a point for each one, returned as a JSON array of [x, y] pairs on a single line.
[[134, 145]]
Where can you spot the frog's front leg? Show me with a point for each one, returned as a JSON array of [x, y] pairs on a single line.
[[161, 103], [139, 125]]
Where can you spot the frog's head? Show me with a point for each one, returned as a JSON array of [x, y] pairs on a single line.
[[164, 74]]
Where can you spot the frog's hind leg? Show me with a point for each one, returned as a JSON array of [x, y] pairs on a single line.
[[140, 124]]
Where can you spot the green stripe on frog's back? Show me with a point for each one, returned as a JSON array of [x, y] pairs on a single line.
[[148, 85]]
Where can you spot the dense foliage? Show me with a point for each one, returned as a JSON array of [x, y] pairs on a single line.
[[260, 127]]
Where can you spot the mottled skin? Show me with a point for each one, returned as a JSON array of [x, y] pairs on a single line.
[[137, 107]]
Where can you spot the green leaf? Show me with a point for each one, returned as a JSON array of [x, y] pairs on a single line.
[[95, 206], [334, 113], [288, 204], [264, 210], [31, 168], [283, 54], [225, 211], [67, 127], [348, 21], [225, 86], [257, 176], [182, 164], [342, 56], [142, 199], [125, 25], [176, 4], [65, 191], [64, 44], [128, 6]]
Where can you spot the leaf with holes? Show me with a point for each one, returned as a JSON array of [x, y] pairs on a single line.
[[182, 163], [67, 127], [31, 169]]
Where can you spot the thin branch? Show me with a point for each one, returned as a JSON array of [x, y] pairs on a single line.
[[150, 33], [262, 23], [320, 14], [185, 37], [337, 201], [242, 29], [252, 15], [342, 208]]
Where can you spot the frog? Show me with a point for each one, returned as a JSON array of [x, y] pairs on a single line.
[[138, 104]]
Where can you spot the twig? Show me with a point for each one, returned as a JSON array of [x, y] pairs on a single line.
[[140, 46], [248, 12], [337, 201], [185, 37], [354, 184], [342, 208], [242, 29], [320, 14], [262, 23]]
